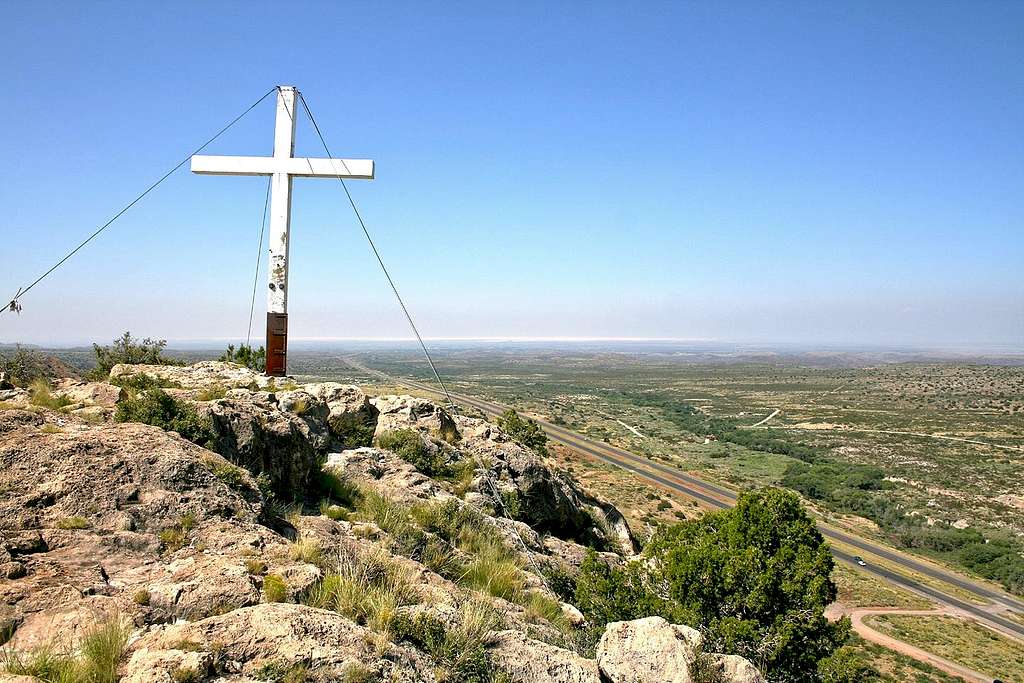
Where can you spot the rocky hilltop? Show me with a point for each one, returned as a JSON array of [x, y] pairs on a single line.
[[287, 532]]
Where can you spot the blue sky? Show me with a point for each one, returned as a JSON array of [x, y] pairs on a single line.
[[814, 172]]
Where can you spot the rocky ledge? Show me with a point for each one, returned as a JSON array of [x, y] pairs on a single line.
[[317, 534]]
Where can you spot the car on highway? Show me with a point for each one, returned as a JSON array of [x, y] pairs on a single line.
[[860, 560]]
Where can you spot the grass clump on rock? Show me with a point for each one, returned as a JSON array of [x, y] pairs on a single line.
[[173, 538], [74, 522], [274, 588], [99, 654], [367, 588], [42, 396]]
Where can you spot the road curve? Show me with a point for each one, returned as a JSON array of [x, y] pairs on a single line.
[[718, 497], [866, 631]]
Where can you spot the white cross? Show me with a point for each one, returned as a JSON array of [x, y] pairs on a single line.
[[281, 167]]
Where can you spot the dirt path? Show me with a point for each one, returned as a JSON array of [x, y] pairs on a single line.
[[632, 429], [868, 633], [773, 414]]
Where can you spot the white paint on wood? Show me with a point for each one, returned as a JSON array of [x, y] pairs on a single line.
[[282, 167]]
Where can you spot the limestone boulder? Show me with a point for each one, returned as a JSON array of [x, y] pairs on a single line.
[[204, 375], [89, 393], [524, 660], [409, 412], [652, 650], [548, 500], [104, 512], [352, 417], [273, 636], [253, 430], [387, 473]]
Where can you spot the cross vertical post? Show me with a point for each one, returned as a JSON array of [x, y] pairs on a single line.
[[280, 222], [281, 168]]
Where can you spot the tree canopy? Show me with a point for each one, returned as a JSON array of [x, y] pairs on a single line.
[[755, 580]]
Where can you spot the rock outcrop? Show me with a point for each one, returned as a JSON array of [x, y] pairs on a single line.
[[654, 651], [104, 521]]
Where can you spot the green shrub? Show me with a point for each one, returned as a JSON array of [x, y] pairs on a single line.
[[409, 446], [246, 357], [155, 407], [754, 579], [524, 430], [141, 597], [274, 588], [351, 429], [846, 665], [126, 349], [510, 503], [23, 366]]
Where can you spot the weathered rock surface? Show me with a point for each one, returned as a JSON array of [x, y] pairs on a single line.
[[257, 431], [88, 393], [273, 635], [524, 660], [204, 375], [654, 651], [387, 473], [94, 514]]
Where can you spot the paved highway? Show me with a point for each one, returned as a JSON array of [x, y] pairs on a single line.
[[718, 497]]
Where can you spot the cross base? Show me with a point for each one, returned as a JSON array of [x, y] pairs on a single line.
[[277, 344]]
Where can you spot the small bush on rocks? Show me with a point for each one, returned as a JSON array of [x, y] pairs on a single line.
[[74, 522], [409, 446], [155, 407], [129, 350], [524, 430], [245, 356]]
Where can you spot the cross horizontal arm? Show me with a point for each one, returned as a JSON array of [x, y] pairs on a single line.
[[293, 166]]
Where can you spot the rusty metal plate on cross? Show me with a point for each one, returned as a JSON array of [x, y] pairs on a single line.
[[277, 344]]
